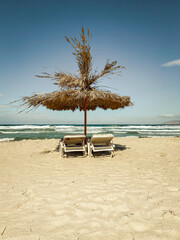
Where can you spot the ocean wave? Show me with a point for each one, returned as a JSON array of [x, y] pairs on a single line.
[[64, 126], [164, 134], [159, 131], [24, 132], [150, 127], [71, 127], [129, 136], [31, 131], [68, 130], [98, 130], [25, 127], [6, 139]]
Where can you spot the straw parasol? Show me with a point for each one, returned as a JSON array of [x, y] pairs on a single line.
[[79, 91]]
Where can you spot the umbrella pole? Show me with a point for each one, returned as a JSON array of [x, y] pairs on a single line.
[[85, 118]]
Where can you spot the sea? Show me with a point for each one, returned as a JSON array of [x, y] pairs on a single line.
[[49, 131]]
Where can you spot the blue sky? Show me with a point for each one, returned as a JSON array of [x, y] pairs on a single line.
[[143, 36]]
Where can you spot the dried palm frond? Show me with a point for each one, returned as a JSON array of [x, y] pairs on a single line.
[[109, 68], [82, 54], [63, 100], [63, 80]]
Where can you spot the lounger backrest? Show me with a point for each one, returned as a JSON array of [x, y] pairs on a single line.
[[104, 139], [74, 139]]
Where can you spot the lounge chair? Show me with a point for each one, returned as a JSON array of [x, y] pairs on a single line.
[[72, 143], [103, 142]]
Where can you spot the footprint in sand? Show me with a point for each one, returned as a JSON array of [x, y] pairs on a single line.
[[162, 154], [29, 194]]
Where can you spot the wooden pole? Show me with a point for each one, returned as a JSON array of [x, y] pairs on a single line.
[[85, 118]]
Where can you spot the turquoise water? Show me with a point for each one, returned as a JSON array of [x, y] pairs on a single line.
[[48, 131]]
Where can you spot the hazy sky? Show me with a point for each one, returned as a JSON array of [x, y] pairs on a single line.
[[143, 36]]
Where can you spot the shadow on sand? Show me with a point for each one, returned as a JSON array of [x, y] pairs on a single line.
[[118, 147]]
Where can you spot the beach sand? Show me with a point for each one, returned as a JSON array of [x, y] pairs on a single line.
[[133, 196]]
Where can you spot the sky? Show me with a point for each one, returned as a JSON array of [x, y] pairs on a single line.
[[143, 36]]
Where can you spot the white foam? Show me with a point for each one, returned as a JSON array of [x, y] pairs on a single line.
[[130, 130], [164, 134], [6, 139], [24, 132], [129, 136], [63, 126], [163, 130], [149, 127], [25, 127]]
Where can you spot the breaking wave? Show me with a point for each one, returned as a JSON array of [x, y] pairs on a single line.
[[19, 132]]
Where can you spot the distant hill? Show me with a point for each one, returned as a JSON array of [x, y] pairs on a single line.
[[177, 122]]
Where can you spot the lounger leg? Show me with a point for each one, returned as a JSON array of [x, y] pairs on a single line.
[[89, 150], [61, 149], [112, 153], [113, 149]]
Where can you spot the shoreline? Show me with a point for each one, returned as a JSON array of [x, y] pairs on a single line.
[[19, 140]]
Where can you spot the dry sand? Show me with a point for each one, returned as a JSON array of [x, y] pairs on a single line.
[[133, 196]]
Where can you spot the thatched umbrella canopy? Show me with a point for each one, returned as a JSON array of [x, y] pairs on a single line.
[[74, 99], [79, 91]]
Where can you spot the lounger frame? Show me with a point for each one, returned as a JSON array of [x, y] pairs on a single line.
[[101, 143], [72, 143]]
